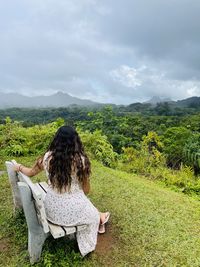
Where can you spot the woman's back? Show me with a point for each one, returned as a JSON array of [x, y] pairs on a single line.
[[75, 184]]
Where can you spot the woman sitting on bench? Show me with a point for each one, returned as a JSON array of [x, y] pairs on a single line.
[[68, 169]]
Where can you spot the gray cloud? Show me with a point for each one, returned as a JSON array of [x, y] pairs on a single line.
[[108, 51]]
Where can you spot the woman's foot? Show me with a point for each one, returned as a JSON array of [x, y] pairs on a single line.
[[104, 217], [102, 229]]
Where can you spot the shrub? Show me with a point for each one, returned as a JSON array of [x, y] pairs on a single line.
[[132, 160], [98, 147], [149, 155], [16, 140]]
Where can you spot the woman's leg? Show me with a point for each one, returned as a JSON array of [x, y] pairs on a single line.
[[103, 216], [87, 238]]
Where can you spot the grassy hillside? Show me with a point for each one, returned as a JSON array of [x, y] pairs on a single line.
[[150, 226]]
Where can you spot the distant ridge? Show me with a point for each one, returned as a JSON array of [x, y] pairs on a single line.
[[191, 102], [156, 99], [59, 99]]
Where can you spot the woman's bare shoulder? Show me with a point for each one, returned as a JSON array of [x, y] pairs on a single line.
[[46, 158]]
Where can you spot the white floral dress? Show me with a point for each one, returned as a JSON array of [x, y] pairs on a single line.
[[71, 209]]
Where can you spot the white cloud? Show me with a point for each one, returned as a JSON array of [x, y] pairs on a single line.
[[127, 76], [194, 91], [146, 81]]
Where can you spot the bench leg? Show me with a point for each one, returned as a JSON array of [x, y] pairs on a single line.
[[35, 244], [36, 235]]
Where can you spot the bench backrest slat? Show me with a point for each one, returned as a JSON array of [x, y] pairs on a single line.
[[13, 179], [16, 177], [39, 204]]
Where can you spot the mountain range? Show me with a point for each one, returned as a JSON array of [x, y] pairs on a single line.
[[60, 99], [156, 99], [191, 102]]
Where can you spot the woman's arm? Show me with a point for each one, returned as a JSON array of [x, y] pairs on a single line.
[[38, 167], [86, 186]]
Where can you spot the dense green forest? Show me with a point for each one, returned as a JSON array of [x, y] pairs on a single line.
[[31, 116], [165, 147]]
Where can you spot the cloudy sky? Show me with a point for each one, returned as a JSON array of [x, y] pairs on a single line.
[[119, 51]]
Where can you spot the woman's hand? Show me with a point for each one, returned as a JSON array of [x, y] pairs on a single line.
[[28, 171], [16, 167]]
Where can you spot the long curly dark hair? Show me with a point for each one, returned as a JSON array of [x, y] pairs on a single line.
[[67, 157]]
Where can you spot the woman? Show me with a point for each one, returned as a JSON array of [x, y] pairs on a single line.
[[68, 169]]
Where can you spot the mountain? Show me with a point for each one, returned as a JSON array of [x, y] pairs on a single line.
[[59, 99], [171, 106], [156, 99], [191, 102]]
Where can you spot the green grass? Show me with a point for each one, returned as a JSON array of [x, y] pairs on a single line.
[[150, 226]]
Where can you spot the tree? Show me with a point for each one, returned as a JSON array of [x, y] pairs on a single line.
[[174, 140], [192, 152]]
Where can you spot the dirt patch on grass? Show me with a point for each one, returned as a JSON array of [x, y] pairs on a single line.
[[4, 245], [107, 241]]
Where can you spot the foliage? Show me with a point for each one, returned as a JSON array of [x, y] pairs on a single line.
[[174, 140], [193, 143], [123, 126], [149, 155], [97, 146], [163, 109], [192, 122], [16, 140], [192, 151], [183, 178], [30, 116], [141, 152], [150, 161], [152, 146], [138, 162], [132, 160]]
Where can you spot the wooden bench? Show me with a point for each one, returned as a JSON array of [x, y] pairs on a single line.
[[30, 196]]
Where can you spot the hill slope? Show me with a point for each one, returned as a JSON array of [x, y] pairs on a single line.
[[155, 226], [191, 102], [56, 100], [150, 225]]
